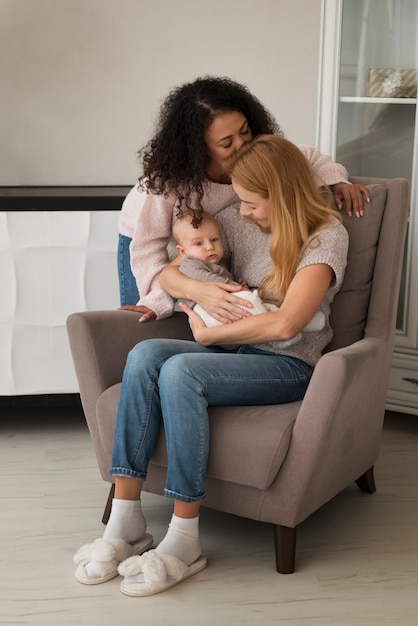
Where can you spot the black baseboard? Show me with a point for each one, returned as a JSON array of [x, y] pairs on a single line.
[[42, 400]]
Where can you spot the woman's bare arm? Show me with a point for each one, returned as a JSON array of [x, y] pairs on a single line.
[[302, 300]]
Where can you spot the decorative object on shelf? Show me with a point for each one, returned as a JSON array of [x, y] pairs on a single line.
[[392, 83]]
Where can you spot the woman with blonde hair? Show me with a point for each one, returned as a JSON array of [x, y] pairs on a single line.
[[269, 167], [293, 246]]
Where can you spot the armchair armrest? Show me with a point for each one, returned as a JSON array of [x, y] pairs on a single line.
[[338, 414], [100, 342]]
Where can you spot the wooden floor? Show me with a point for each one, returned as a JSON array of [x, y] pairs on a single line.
[[357, 558]]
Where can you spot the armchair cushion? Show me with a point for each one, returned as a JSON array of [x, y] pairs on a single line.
[[260, 429], [257, 454], [352, 301]]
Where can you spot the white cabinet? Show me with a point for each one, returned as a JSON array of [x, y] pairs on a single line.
[[52, 263], [368, 122]]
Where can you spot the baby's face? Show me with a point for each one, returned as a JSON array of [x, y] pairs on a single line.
[[202, 243]]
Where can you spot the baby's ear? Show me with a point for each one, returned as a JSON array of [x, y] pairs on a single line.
[[181, 250]]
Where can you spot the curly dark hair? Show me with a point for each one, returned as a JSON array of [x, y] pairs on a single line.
[[176, 159]]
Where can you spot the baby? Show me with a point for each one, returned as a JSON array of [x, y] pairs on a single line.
[[201, 253]]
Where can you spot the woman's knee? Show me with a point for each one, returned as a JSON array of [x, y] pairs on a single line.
[[151, 353], [177, 370], [142, 351]]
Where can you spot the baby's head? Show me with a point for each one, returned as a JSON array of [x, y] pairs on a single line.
[[203, 242]]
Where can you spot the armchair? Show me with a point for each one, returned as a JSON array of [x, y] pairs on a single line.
[[278, 464]]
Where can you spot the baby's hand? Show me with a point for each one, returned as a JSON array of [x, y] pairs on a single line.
[[243, 283]]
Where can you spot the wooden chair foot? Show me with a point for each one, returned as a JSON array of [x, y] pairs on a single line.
[[108, 507], [366, 481], [285, 548]]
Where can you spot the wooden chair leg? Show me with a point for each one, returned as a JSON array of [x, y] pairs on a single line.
[[285, 538], [285, 548], [108, 507], [366, 481]]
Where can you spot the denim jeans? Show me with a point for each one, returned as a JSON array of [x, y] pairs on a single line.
[[175, 381], [127, 283]]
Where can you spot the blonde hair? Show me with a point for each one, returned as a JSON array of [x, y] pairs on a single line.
[[276, 169]]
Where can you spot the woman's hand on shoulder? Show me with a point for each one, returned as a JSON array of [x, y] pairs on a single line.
[[351, 196], [147, 314]]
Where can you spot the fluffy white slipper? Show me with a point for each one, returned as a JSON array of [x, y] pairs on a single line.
[[106, 554], [159, 572]]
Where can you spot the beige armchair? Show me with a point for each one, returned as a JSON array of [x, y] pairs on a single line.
[[278, 464]]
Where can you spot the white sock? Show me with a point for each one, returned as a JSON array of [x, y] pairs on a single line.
[[182, 539], [126, 521]]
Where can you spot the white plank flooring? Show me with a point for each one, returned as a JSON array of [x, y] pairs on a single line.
[[357, 558]]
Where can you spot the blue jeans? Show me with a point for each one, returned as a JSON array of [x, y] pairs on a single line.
[[175, 381], [127, 283]]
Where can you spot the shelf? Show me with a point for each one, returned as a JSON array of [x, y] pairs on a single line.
[[377, 137], [366, 100], [71, 198]]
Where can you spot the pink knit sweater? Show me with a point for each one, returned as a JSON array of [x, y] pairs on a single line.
[[148, 219]]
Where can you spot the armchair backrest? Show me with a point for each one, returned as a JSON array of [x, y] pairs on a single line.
[[364, 305]]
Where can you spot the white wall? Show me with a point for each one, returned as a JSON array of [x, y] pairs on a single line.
[[81, 80]]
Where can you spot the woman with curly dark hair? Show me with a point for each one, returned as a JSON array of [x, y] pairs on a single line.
[[200, 125]]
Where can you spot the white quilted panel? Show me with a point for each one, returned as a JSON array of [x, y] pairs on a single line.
[[51, 264]]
